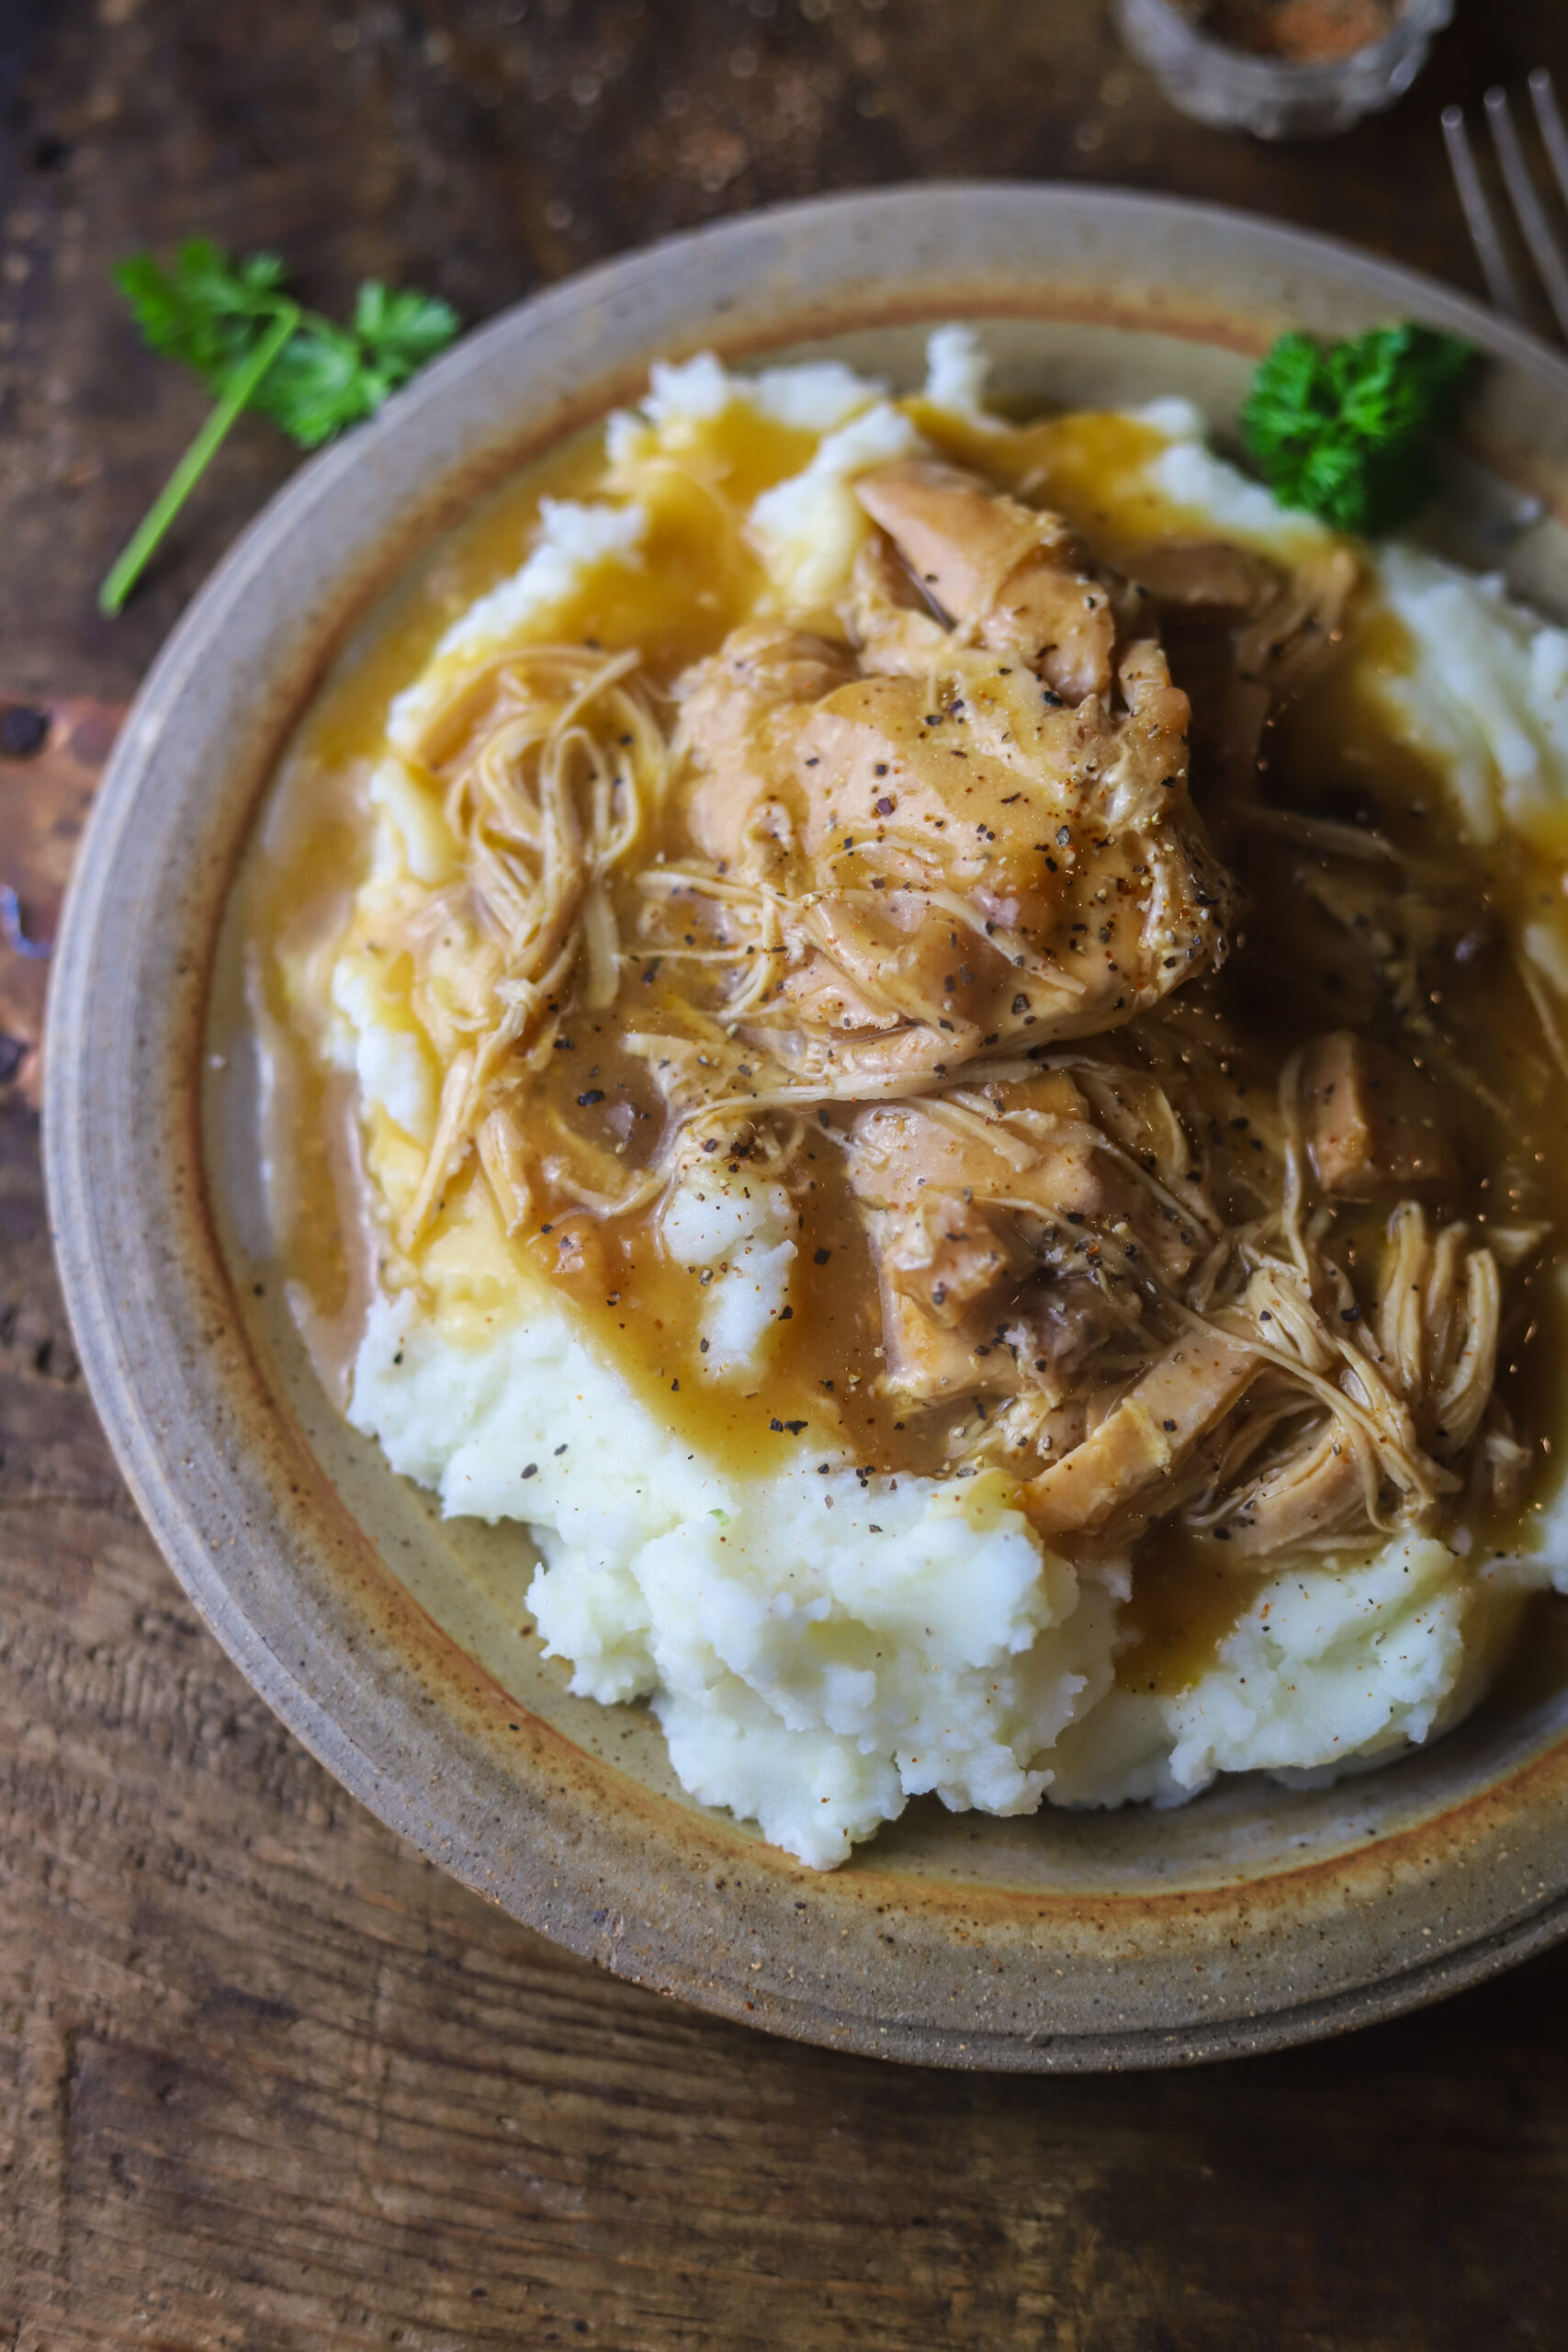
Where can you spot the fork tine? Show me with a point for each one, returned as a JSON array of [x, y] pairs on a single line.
[[1548, 114], [1495, 267], [1543, 245]]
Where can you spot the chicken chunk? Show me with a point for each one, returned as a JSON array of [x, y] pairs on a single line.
[[1085, 888], [1002, 572], [1372, 1123], [1319, 1487], [946, 1257], [741, 713], [1144, 1437], [985, 1234], [1204, 576]]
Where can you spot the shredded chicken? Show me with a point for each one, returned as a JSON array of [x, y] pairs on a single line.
[[552, 766], [934, 887]]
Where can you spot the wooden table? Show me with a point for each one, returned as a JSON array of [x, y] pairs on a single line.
[[269, 2080]]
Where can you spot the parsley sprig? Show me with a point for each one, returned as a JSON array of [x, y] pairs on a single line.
[[256, 347], [1344, 431]]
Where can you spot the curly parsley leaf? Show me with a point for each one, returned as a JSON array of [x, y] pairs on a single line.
[[1344, 431], [254, 347]]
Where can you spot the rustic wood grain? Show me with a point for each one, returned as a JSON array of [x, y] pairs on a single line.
[[268, 2080], [52, 755]]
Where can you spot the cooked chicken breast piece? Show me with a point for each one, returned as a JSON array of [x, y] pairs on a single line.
[[968, 851], [986, 1232], [1204, 576], [1144, 1437], [1008, 576], [1373, 1125]]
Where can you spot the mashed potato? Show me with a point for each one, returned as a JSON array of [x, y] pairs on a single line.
[[819, 1646], [822, 1643]]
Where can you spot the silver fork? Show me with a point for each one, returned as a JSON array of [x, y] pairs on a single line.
[[1545, 247]]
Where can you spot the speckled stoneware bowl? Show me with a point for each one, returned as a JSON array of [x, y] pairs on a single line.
[[385, 1639]]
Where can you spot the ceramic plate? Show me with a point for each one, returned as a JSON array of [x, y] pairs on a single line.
[[386, 1640]]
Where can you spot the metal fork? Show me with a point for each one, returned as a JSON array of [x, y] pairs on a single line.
[[1546, 248]]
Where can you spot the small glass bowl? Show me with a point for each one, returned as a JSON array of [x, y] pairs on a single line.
[[1235, 89]]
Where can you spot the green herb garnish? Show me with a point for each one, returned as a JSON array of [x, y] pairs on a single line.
[[1344, 430], [256, 347]]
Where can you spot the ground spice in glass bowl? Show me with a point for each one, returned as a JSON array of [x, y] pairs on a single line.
[[1302, 32], [1282, 69]]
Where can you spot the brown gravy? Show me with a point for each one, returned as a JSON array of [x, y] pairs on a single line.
[[1302, 970]]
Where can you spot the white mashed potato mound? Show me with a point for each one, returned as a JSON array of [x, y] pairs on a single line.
[[817, 396], [573, 538], [821, 1645], [1541, 1562], [1329, 1663], [1487, 693], [419, 839], [1210, 489], [394, 1068], [956, 373], [737, 1232], [809, 530]]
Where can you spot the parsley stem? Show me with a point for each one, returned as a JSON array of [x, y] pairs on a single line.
[[133, 560]]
